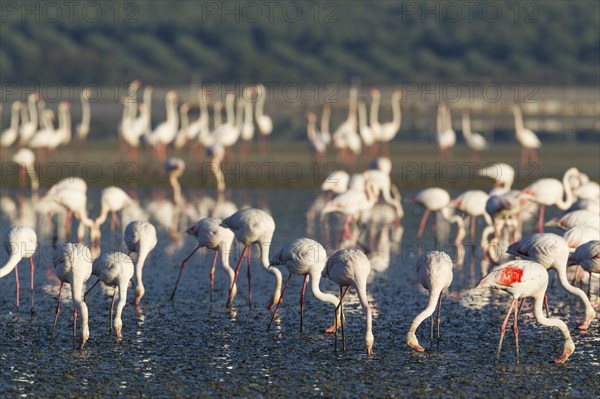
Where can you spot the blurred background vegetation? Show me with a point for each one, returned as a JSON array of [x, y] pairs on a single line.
[[178, 42]]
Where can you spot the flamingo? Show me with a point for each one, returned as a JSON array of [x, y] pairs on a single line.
[[336, 182], [112, 199], [115, 270], [325, 116], [547, 192], [374, 112], [351, 268], [166, 131], [9, 135], [365, 132], [71, 194], [73, 265], [264, 122], [579, 235], [183, 136], [527, 139], [435, 275], [19, 243], [315, 138], [29, 127], [434, 199], [304, 257], [25, 158], [247, 130], [588, 256], [475, 141], [502, 174], [387, 131], [140, 237], [472, 203], [580, 217], [346, 138], [83, 129], [383, 185], [175, 168], [524, 279], [446, 137], [209, 234], [552, 252], [251, 226]]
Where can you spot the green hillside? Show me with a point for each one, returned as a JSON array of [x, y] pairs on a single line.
[[549, 42]]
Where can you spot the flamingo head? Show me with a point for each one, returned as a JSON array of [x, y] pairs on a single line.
[[118, 328], [85, 335], [568, 349]]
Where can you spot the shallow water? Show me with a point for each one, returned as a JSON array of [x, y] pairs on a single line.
[[191, 347]]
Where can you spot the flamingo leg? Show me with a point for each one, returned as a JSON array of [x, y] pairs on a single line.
[[516, 330], [341, 309], [237, 271], [473, 226], [438, 317], [181, 270], [520, 305], [302, 302], [541, 219], [31, 270], [18, 285], [57, 308], [112, 307], [249, 279], [279, 301], [422, 223], [546, 305], [74, 326], [503, 329], [212, 273]]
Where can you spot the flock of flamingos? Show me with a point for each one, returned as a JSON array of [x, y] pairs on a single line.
[[367, 201]]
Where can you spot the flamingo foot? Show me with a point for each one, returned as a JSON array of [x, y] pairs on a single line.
[[330, 329]]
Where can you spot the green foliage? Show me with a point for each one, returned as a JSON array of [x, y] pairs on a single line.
[[170, 42]]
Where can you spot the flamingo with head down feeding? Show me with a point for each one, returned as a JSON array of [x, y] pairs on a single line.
[[140, 237]]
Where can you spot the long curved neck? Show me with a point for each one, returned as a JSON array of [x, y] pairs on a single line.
[[85, 112], [518, 120], [33, 111], [172, 116], [364, 303], [564, 281], [311, 131], [315, 279], [264, 253], [148, 96], [217, 115], [13, 261], [239, 117], [362, 116], [466, 125], [396, 112], [325, 121], [14, 118], [176, 189], [549, 322], [569, 197], [260, 103], [441, 119], [229, 111], [375, 109], [203, 112], [24, 115]]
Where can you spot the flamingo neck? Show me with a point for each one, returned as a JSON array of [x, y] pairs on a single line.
[[396, 112], [33, 111], [549, 322], [12, 262], [14, 118], [569, 197], [375, 110], [315, 279]]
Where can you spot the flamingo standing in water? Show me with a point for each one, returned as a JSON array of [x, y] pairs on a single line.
[[524, 279], [434, 199], [209, 234], [435, 275], [19, 243], [547, 192], [73, 265], [503, 175], [304, 257], [113, 199], [446, 137], [251, 226], [387, 131], [264, 122], [351, 268], [9, 135], [83, 129], [475, 141], [472, 203], [527, 139], [25, 159], [140, 237], [552, 252], [115, 270]]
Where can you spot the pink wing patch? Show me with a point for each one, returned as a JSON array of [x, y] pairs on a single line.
[[509, 275]]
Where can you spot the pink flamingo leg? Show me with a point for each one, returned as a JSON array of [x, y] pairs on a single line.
[[250, 281], [237, 271], [181, 270], [339, 308], [503, 329], [516, 331], [541, 219], [31, 271], [57, 308], [302, 302], [75, 326], [212, 273], [279, 301], [422, 223], [18, 285]]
